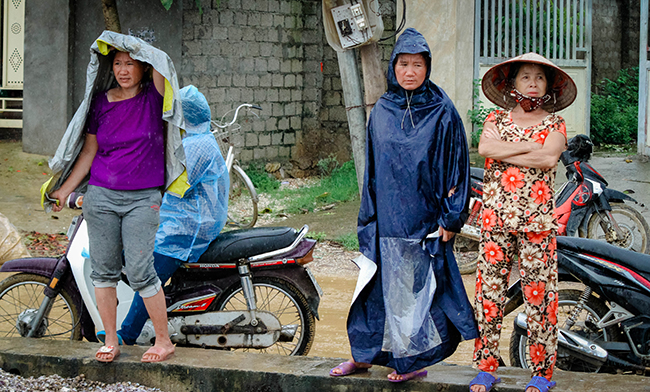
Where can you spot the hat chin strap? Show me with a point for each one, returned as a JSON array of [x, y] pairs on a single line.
[[529, 103]]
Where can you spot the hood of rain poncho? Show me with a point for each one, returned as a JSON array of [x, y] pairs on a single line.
[[410, 308], [99, 78], [196, 111], [188, 224]]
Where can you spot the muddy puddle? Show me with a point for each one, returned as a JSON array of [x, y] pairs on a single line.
[[331, 337]]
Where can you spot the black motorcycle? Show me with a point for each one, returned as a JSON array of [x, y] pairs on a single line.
[[604, 323]]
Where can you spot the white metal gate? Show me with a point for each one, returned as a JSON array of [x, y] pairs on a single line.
[[11, 83], [560, 30], [644, 68]]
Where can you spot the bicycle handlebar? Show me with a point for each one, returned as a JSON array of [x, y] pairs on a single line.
[[243, 105]]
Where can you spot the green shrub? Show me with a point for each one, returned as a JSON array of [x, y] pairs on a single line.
[[261, 180], [327, 165], [477, 114], [615, 109]]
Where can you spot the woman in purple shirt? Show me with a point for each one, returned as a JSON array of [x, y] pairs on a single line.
[[124, 153]]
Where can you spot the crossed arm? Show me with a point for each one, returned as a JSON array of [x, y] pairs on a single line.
[[527, 154]]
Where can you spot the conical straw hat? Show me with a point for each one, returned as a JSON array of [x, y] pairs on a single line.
[[496, 86]]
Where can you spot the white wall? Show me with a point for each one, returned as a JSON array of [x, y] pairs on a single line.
[[448, 26]]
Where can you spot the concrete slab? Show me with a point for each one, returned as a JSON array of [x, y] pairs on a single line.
[[200, 370]]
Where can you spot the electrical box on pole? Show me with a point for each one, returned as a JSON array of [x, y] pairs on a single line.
[[351, 23]]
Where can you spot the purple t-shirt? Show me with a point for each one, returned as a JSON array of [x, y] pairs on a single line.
[[131, 153]]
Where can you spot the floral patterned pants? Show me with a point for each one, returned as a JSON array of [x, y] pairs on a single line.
[[538, 271]]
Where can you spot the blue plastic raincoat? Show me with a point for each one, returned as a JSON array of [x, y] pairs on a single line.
[[410, 309], [188, 224]]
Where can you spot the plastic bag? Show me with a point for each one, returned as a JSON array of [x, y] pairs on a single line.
[[11, 243], [408, 284]]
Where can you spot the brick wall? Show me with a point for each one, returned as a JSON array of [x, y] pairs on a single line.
[[272, 53]]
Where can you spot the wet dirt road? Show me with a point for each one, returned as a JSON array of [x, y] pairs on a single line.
[[331, 337]]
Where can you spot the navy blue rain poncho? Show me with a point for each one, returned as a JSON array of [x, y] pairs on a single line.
[[410, 309]]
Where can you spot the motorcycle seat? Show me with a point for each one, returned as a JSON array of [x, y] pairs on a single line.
[[637, 262], [476, 172], [237, 244]]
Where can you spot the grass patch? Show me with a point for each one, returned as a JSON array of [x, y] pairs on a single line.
[[318, 236], [349, 241], [261, 180], [338, 187]]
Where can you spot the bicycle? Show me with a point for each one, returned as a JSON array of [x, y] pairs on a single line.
[[242, 198]]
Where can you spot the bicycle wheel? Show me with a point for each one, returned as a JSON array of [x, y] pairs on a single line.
[[288, 304], [20, 297], [242, 199]]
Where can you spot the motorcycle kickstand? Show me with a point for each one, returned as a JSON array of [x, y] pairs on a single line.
[[243, 267], [571, 320]]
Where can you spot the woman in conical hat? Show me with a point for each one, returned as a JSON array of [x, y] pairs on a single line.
[[521, 144]]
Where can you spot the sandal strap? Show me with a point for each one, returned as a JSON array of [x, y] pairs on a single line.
[[485, 379], [541, 383]]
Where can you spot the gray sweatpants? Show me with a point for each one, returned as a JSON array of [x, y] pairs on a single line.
[[123, 221]]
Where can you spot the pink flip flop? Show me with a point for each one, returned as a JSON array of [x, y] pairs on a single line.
[[410, 376], [346, 368]]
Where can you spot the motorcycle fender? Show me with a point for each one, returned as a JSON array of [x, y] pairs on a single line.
[[577, 219], [43, 266], [299, 277], [599, 204], [617, 196]]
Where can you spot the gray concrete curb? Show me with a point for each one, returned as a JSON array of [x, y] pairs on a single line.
[[209, 370]]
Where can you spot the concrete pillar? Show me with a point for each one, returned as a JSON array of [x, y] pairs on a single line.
[[46, 97], [448, 26]]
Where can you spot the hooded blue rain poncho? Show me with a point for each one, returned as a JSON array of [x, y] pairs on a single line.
[[410, 309], [188, 224]]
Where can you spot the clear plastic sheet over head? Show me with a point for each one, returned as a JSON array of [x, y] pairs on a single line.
[[408, 285], [99, 78]]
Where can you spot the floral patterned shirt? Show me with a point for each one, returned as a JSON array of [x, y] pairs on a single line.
[[517, 198]]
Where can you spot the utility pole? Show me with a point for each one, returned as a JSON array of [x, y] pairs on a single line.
[[374, 80], [354, 109], [347, 26]]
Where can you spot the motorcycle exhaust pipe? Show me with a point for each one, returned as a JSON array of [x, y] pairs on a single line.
[[578, 346]]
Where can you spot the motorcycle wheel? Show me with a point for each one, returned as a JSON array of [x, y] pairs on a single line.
[[466, 254], [631, 222], [585, 326], [21, 296], [287, 303]]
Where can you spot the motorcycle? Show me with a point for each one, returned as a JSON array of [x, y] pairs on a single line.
[[605, 327], [584, 205], [251, 289]]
